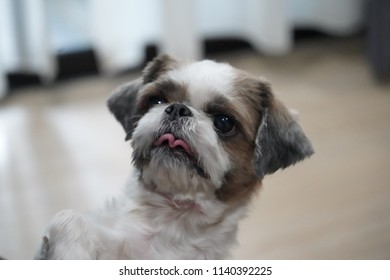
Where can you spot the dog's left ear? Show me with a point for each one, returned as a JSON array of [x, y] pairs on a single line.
[[280, 141]]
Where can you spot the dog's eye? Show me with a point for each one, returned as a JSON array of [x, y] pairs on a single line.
[[156, 100], [224, 124]]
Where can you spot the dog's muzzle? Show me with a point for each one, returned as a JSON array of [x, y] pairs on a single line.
[[173, 141], [175, 112]]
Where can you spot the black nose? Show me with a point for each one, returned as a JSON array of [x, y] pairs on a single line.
[[176, 111]]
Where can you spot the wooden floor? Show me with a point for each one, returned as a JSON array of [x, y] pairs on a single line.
[[60, 148]]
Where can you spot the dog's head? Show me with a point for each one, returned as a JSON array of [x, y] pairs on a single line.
[[206, 127]]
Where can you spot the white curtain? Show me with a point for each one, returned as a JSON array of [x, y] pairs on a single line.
[[24, 42], [121, 29], [33, 32], [179, 27]]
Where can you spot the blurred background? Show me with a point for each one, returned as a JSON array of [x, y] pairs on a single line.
[[328, 59]]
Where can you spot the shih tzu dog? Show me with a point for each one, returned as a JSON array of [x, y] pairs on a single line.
[[204, 135]]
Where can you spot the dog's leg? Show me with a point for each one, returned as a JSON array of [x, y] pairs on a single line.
[[69, 236]]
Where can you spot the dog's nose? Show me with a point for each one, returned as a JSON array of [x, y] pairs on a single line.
[[177, 110]]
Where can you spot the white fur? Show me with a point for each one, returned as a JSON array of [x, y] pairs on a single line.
[[203, 79]]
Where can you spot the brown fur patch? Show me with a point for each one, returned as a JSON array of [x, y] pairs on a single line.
[[240, 182], [161, 64], [252, 96]]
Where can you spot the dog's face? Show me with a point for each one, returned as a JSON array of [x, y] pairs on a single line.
[[206, 127]]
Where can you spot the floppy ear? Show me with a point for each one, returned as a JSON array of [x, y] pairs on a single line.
[[122, 104], [123, 100], [280, 141]]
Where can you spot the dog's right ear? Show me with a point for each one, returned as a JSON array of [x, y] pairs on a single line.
[[122, 104], [280, 141]]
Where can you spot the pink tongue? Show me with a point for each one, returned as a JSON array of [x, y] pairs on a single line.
[[173, 142]]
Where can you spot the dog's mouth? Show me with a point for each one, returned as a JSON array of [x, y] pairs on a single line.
[[179, 149], [174, 143]]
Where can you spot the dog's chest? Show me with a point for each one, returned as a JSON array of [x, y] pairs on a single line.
[[168, 235]]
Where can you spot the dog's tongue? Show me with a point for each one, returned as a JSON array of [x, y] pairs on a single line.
[[173, 142]]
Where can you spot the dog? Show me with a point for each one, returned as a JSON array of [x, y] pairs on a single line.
[[203, 134]]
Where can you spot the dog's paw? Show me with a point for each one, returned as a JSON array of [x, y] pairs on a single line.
[[67, 237], [43, 252]]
